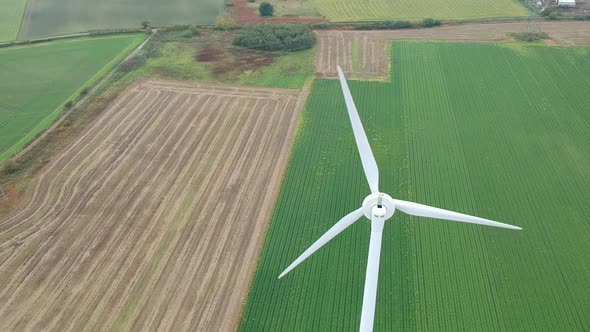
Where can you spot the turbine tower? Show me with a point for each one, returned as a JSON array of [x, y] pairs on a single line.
[[378, 207]]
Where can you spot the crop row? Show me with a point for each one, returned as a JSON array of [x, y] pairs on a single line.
[[359, 10], [497, 130]]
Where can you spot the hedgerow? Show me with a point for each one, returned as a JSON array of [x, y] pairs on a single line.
[[282, 37]]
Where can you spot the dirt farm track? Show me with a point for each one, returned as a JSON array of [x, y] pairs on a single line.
[[153, 218]]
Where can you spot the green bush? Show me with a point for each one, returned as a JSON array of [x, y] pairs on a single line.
[[430, 22], [582, 17], [547, 11], [225, 23], [320, 26], [554, 16], [146, 24], [387, 25], [68, 105], [529, 36], [281, 37], [266, 9]]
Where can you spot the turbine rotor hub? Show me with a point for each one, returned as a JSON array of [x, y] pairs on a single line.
[[379, 205]]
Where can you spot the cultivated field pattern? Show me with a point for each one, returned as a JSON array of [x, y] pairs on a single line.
[[371, 60], [494, 130], [36, 79], [375, 10], [153, 218], [43, 18]]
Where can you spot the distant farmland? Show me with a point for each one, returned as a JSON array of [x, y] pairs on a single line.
[[36, 80], [69, 16], [363, 10], [496, 130], [11, 14]]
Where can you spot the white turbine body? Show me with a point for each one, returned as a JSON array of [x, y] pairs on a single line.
[[377, 207]]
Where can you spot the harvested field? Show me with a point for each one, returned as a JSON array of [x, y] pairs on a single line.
[[336, 47], [153, 218]]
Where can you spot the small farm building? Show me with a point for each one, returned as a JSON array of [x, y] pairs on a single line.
[[566, 3]]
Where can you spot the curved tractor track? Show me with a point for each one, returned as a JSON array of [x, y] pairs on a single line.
[[153, 218], [371, 61]]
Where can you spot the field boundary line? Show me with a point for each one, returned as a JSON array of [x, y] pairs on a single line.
[[22, 19], [292, 137], [63, 115]]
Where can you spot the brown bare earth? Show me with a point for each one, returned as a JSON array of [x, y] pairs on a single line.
[[152, 219], [335, 46]]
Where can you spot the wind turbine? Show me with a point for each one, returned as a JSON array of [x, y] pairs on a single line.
[[378, 207]]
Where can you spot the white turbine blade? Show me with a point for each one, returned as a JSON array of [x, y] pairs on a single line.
[[341, 225], [421, 210], [367, 158], [371, 279]]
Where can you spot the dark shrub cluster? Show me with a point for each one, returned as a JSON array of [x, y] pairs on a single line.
[[430, 22], [266, 9], [387, 25], [320, 26], [281, 37], [582, 17], [551, 13], [529, 36]]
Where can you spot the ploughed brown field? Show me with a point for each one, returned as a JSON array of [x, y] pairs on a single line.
[[152, 219]]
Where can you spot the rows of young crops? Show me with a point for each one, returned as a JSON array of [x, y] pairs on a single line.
[[36, 80], [362, 10], [11, 14], [42, 19], [499, 131]]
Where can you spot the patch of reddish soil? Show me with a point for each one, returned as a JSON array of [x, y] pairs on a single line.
[[243, 61], [247, 15], [209, 54]]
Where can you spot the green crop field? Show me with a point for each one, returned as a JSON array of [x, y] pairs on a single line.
[[496, 130], [363, 10], [69, 16], [11, 14], [36, 80]]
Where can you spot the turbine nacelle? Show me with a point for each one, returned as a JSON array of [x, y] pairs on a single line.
[[378, 205]]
